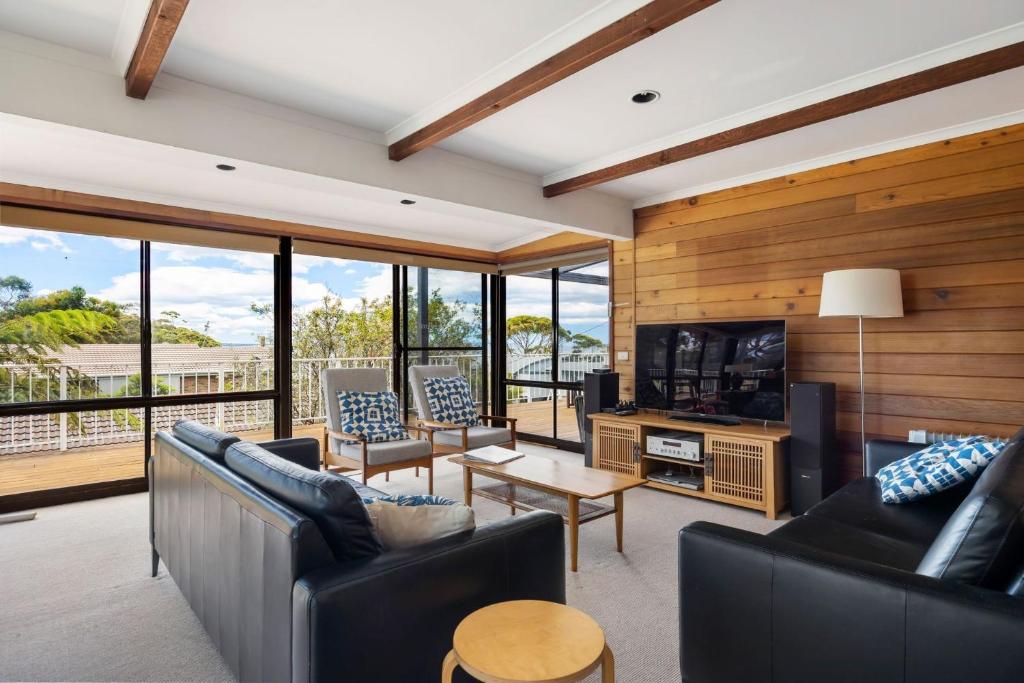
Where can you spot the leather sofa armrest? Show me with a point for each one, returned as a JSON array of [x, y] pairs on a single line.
[[882, 452], [303, 450], [391, 617], [759, 609]]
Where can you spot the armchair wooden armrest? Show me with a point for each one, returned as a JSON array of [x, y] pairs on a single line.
[[502, 418], [444, 426]]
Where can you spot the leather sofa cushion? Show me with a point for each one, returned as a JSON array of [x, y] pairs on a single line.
[[859, 504], [836, 537], [207, 440], [326, 498], [982, 544]]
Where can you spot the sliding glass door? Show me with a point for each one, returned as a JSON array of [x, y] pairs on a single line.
[[555, 329], [443, 322]]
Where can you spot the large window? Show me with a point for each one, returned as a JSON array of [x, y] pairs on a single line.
[[556, 328], [443, 323], [106, 338]]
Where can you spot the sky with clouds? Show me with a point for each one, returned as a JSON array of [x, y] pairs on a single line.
[[212, 289]]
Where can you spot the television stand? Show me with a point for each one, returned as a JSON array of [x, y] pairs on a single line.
[[709, 419], [743, 464]]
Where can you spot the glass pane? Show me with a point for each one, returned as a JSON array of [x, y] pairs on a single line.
[[250, 420], [528, 326], [533, 407], [213, 320], [565, 408], [583, 320], [341, 318], [469, 364], [69, 316], [40, 452], [451, 301]]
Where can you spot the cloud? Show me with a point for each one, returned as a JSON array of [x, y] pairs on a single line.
[[124, 244], [40, 240]]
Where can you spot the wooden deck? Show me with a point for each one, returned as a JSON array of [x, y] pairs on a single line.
[[39, 471]]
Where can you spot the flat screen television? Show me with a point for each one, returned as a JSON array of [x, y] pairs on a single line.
[[734, 369]]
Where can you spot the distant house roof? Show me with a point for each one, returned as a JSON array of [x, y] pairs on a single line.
[[100, 358]]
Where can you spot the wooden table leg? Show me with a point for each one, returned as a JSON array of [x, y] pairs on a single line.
[[618, 521], [467, 486], [574, 529], [607, 665], [448, 667]]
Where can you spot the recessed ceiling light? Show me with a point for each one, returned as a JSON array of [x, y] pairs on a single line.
[[646, 96], [225, 167], [408, 202]]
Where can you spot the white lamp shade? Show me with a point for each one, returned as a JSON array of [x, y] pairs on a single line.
[[867, 292]]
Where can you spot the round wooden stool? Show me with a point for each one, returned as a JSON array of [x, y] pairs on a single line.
[[529, 641]]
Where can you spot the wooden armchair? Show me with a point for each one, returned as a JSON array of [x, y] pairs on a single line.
[[354, 452], [453, 438]]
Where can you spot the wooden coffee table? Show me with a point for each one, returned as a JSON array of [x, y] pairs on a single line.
[[529, 641], [535, 483]]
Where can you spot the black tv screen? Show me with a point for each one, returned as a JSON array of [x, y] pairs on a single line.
[[732, 368]]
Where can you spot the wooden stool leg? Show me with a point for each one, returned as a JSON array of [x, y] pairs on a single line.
[[607, 665], [417, 471], [387, 476], [448, 667]]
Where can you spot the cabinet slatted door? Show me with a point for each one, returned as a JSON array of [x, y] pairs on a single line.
[[617, 448], [738, 468]]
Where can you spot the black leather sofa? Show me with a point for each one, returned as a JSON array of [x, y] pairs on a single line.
[[856, 590], [303, 596]]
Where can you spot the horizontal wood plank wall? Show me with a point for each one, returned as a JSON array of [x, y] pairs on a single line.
[[948, 215]]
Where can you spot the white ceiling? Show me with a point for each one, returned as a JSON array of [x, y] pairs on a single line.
[[391, 66], [41, 153]]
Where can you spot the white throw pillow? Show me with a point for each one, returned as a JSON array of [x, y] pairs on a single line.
[[403, 521]]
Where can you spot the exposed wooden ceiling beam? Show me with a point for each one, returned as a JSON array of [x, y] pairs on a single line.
[[161, 23], [960, 71], [632, 28]]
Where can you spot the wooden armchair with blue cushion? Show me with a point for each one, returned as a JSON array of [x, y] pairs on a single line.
[[364, 428], [445, 406]]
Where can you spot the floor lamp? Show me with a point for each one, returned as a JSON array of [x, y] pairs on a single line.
[[861, 293]]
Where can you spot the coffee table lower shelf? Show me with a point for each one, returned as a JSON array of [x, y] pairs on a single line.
[[521, 497]]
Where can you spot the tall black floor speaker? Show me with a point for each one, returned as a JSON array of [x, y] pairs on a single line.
[[814, 462], [600, 391]]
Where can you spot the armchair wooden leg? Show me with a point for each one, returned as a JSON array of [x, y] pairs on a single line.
[[387, 476], [417, 471], [430, 478]]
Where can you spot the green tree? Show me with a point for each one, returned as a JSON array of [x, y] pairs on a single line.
[[528, 334], [12, 290], [584, 343]]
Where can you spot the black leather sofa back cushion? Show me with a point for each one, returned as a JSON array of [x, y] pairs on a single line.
[[326, 498], [982, 544], [206, 440]]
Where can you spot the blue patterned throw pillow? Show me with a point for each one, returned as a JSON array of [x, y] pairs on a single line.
[[936, 468], [373, 415], [412, 501], [451, 400]]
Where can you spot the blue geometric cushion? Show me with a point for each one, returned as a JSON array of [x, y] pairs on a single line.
[[413, 501], [451, 400], [936, 468], [373, 415]]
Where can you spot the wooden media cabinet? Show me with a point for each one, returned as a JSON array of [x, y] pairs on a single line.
[[743, 464]]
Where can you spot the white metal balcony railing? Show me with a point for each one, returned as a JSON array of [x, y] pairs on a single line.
[[24, 434]]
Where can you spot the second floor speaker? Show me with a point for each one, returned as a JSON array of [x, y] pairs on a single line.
[[813, 456], [600, 391]]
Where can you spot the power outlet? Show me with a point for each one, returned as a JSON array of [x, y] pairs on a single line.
[[918, 436], [622, 355]]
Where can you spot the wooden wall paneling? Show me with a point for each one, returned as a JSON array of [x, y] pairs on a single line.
[[948, 215]]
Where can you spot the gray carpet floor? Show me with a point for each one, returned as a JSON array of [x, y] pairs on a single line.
[[77, 602]]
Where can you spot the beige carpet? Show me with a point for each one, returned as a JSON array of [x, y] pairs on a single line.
[[77, 602]]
